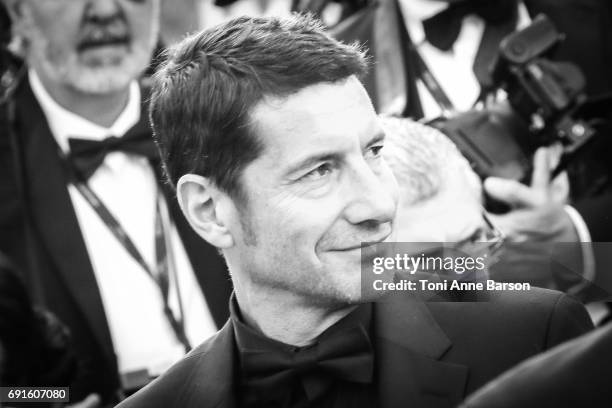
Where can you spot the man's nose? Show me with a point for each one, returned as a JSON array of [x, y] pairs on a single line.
[[373, 197], [103, 8]]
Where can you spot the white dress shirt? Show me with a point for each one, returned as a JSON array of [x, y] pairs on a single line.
[[141, 335]]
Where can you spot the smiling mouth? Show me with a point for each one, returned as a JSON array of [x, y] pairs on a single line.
[[363, 245], [105, 42]]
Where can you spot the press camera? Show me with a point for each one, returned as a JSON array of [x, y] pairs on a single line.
[[533, 102]]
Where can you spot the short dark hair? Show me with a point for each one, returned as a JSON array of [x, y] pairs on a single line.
[[205, 89]]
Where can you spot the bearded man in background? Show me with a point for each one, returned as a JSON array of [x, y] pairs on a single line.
[[81, 207]]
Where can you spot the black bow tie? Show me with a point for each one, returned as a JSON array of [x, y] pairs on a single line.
[[443, 29], [344, 355], [87, 155]]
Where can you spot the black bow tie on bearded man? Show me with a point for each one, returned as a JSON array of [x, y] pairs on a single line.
[[271, 371], [87, 155], [500, 17], [443, 29]]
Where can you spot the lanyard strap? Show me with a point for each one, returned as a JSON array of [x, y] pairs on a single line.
[[161, 275], [432, 84], [421, 70]]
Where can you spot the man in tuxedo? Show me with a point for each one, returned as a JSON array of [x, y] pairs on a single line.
[[275, 149], [570, 375], [82, 207]]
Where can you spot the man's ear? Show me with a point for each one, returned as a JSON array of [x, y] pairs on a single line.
[[199, 199]]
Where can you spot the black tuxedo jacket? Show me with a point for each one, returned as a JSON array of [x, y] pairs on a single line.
[[574, 374], [41, 234], [426, 354]]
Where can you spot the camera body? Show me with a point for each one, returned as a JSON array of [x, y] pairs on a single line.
[[543, 104]]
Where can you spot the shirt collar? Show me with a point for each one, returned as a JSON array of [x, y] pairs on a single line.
[[415, 11], [249, 339], [65, 124]]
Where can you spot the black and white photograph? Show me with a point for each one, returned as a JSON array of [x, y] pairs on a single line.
[[305, 203]]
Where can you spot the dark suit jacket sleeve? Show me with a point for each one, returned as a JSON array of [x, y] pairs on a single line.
[[569, 319], [597, 214], [569, 375], [165, 391]]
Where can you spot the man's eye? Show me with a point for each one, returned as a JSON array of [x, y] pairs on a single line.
[[374, 151], [479, 235], [318, 173]]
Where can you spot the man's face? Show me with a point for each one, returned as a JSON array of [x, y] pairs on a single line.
[[93, 46], [318, 190]]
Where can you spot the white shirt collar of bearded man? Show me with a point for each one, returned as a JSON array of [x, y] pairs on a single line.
[[65, 124]]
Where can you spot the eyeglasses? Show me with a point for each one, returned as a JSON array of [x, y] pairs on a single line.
[[486, 240]]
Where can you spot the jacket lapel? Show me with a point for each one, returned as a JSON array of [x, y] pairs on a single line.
[[216, 369], [409, 344], [54, 216]]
